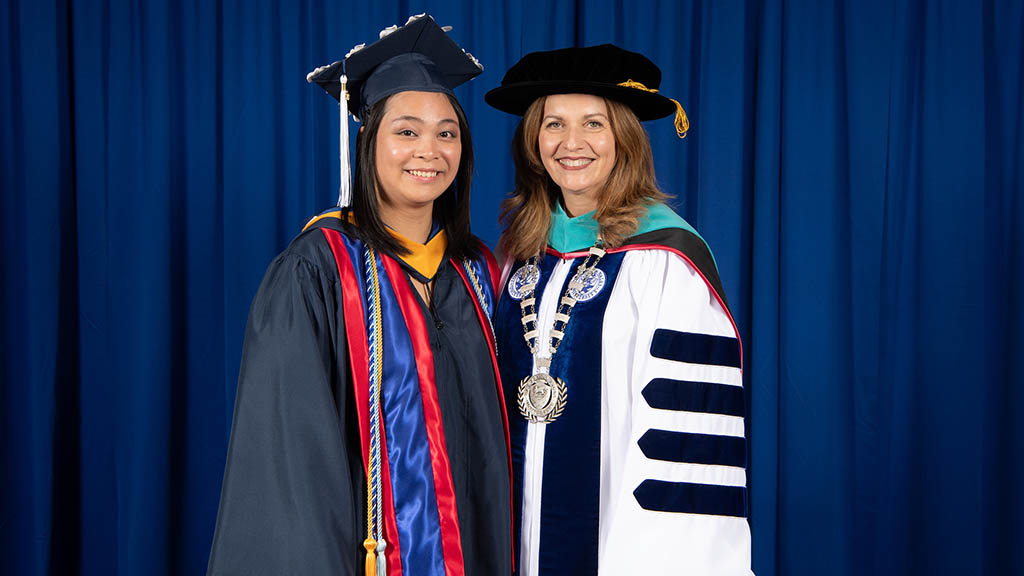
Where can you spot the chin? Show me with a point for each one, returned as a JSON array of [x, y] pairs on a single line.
[[577, 189], [427, 196]]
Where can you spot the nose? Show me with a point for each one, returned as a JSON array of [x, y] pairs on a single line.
[[573, 139], [426, 148]]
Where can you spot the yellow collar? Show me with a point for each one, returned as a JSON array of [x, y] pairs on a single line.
[[425, 259]]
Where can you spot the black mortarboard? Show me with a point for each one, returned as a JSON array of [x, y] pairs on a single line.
[[419, 56], [605, 70]]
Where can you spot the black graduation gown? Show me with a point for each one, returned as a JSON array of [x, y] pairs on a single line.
[[293, 499]]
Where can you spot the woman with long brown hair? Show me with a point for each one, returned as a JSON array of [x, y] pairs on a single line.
[[616, 342]]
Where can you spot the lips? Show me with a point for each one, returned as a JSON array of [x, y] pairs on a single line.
[[423, 174], [575, 163]]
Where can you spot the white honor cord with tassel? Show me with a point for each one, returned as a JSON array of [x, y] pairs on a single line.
[[345, 186], [381, 561], [376, 564], [379, 523]]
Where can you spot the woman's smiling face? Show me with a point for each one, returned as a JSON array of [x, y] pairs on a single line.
[[418, 149], [577, 147]]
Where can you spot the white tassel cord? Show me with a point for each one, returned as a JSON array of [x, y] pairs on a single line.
[[345, 185]]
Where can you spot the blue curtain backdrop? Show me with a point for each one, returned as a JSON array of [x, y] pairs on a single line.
[[856, 167]]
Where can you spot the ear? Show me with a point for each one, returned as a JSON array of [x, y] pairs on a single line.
[[361, 129]]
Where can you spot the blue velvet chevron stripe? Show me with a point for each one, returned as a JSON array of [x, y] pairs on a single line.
[[687, 498], [683, 395], [694, 448], [696, 348], [706, 449]]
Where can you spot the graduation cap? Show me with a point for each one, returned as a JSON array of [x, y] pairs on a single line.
[[419, 56]]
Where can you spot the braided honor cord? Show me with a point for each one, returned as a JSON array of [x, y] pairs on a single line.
[[374, 543]]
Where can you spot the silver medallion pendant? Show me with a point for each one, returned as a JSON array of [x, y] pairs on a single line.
[[526, 276], [541, 398]]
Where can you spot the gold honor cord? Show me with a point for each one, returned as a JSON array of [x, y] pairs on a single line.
[[682, 122], [375, 560], [376, 563]]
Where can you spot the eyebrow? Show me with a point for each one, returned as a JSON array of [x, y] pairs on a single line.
[[419, 120], [588, 116]]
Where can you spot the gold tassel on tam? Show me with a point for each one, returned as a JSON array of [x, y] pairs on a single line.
[[371, 557], [682, 122]]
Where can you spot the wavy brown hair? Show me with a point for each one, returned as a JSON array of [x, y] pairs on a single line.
[[630, 189]]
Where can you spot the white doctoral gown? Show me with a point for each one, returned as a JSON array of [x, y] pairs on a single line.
[[644, 471]]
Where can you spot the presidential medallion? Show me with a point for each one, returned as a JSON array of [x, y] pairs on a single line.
[[541, 398], [523, 280]]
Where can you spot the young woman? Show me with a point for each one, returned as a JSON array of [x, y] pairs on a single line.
[[369, 431], [616, 342]]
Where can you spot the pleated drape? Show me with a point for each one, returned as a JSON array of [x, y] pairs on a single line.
[[855, 166]]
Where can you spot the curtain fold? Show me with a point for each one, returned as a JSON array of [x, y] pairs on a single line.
[[855, 166]]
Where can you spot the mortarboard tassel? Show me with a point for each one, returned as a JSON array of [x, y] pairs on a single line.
[[345, 187]]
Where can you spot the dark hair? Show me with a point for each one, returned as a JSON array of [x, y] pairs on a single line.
[[451, 209]]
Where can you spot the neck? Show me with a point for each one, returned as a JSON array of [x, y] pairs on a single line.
[[577, 204], [412, 222]]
